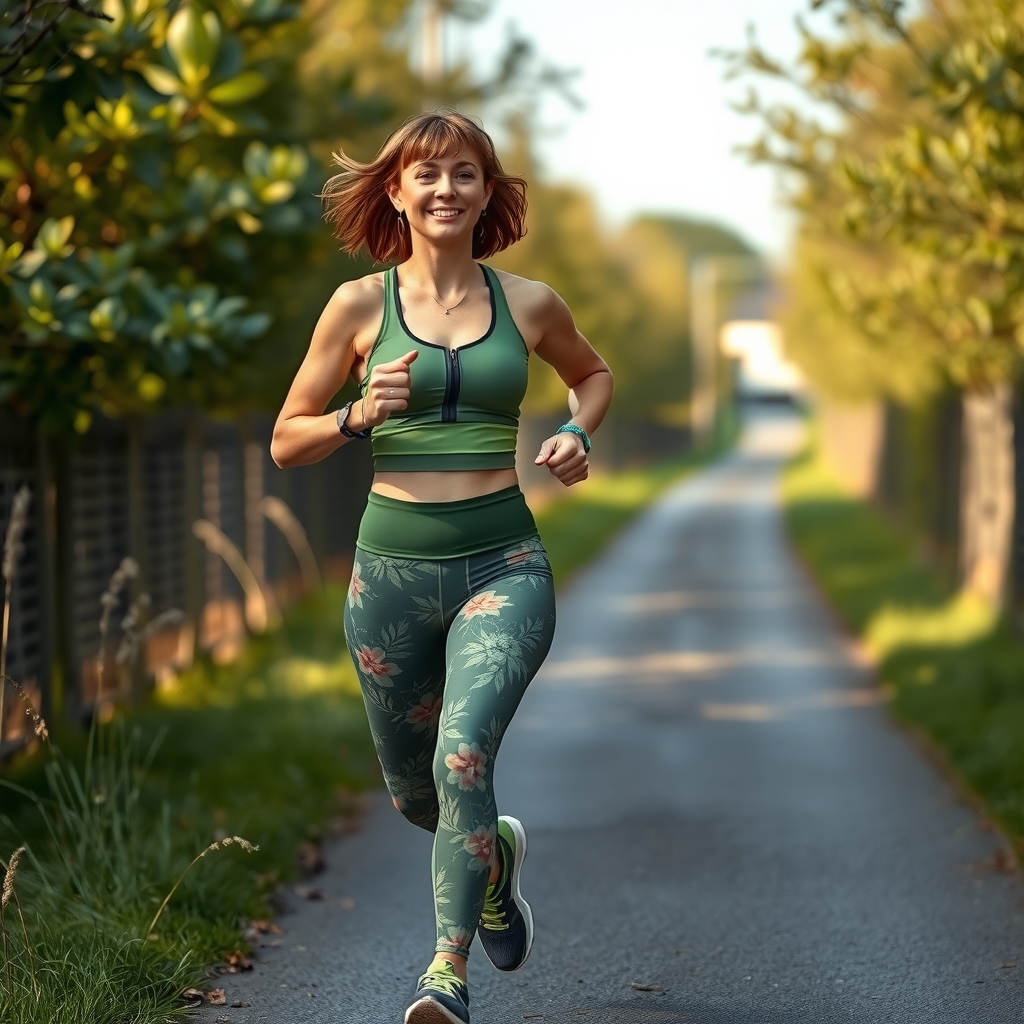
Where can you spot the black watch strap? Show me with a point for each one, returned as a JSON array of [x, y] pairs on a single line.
[[346, 431]]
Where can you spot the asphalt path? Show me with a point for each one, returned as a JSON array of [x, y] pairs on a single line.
[[725, 827]]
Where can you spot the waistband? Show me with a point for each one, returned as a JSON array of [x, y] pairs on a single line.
[[445, 529]]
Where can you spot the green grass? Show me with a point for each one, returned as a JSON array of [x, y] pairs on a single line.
[[952, 670], [270, 748]]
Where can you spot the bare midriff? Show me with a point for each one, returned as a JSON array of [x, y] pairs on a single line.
[[452, 485]]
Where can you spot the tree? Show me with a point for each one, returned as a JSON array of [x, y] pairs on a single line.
[[913, 219]]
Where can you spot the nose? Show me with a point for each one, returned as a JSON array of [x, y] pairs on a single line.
[[445, 186]]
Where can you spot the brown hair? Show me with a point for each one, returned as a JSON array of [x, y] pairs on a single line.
[[357, 206]]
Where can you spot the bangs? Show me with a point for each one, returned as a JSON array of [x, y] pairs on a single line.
[[440, 137]]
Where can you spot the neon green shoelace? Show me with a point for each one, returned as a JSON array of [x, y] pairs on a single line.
[[492, 917], [442, 979]]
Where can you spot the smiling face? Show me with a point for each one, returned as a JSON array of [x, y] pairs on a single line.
[[443, 197]]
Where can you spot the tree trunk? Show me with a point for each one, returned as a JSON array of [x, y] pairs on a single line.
[[987, 492]]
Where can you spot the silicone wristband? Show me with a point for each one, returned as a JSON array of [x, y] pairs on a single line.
[[572, 428]]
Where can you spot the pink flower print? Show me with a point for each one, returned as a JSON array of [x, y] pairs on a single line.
[[467, 766], [487, 603], [459, 938], [480, 846], [424, 714], [519, 555], [372, 663], [356, 588]]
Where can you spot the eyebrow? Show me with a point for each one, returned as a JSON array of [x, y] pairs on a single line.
[[433, 163]]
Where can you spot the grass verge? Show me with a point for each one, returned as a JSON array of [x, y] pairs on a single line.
[[952, 671], [270, 748]]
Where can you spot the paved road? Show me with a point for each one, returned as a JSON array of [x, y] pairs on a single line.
[[717, 806]]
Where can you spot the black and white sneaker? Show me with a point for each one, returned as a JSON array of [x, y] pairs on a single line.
[[506, 923], [441, 997]]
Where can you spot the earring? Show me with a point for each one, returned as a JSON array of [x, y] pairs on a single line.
[[480, 222], [401, 223]]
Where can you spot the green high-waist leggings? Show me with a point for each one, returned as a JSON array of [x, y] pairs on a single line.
[[445, 648]]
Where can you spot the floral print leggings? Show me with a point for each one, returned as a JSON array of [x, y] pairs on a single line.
[[445, 650]]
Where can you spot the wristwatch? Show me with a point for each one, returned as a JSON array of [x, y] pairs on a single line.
[[346, 431]]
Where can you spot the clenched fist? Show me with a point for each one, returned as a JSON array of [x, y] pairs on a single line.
[[388, 390], [563, 454]]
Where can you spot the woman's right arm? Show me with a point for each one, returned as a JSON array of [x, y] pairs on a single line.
[[303, 433]]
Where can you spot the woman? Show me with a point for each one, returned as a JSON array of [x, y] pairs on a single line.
[[450, 610]]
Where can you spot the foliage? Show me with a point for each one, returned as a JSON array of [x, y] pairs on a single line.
[[911, 196], [145, 194], [946, 670]]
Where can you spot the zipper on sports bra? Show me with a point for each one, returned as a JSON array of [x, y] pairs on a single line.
[[452, 386]]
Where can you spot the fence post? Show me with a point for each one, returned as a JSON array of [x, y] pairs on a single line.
[[44, 505], [193, 550]]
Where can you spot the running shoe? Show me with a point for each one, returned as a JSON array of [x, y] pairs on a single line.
[[506, 923], [441, 997]]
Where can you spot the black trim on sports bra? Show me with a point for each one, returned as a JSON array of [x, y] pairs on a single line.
[[430, 344]]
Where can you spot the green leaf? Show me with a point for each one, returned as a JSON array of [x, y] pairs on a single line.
[[162, 81], [245, 86], [277, 192]]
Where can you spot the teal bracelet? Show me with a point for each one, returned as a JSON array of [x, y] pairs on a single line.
[[571, 428]]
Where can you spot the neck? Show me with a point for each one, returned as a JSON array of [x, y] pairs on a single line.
[[443, 270]]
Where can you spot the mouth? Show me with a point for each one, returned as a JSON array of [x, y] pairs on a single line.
[[445, 213]]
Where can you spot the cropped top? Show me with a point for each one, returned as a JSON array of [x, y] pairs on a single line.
[[463, 410]]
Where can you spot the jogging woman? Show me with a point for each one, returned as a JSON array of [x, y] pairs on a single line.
[[450, 610]]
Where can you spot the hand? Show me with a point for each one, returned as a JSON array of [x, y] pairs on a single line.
[[388, 390], [563, 454]]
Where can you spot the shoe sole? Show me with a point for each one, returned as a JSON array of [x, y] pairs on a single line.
[[517, 866], [430, 1011]]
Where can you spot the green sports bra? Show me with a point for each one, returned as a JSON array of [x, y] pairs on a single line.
[[463, 410]]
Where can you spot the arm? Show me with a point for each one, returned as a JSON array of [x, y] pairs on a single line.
[[302, 433], [590, 385]]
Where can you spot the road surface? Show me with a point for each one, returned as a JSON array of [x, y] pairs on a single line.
[[724, 825]]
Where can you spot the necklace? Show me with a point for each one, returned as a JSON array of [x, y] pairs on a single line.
[[448, 309]]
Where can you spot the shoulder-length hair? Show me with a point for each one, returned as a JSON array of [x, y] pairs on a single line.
[[358, 208]]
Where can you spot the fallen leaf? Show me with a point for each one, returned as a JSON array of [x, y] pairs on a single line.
[[193, 996], [237, 961], [238, 1003], [311, 858], [216, 997], [305, 893], [637, 987], [347, 903], [1006, 967]]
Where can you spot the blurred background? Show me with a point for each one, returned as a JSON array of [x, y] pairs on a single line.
[[800, 202]]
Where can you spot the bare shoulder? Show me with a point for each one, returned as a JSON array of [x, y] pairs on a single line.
[[535, 306], [364, 295], [354, 311]]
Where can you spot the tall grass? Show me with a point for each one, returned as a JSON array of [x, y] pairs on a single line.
[[85, 949]]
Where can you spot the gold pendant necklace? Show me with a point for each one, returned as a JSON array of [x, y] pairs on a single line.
[[448, 309]]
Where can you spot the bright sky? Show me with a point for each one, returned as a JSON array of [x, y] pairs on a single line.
[[657, 132]]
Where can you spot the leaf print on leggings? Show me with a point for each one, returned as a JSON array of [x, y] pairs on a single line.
[[397, 570], [503, 652]]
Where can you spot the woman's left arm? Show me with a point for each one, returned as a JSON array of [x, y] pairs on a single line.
[[590, 387]]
